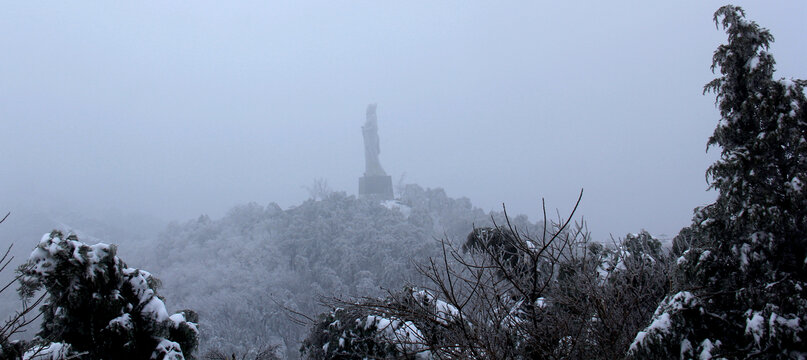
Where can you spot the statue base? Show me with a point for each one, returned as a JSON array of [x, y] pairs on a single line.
[[375, 187]]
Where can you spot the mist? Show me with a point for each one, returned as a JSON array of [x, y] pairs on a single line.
[[172, 110]]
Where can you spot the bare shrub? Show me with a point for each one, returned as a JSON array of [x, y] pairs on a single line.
[[507, 294]]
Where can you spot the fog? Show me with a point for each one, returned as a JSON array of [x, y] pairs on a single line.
[[176, 109]]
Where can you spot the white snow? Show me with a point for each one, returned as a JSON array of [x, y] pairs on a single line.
[[409, 338], [661, 319], [53, 351], [704, 255], [445, 312], [404, 334], [395, 205], [177, 319], [171, 350], [754, 326], [795, 184], [377, 321], [682, 259], [76, 254], [752, 63], [156, 308], [686, 349], [661, 324], [139, 284], [777, 323], [98, 252], [423, 296], [124, 321], [602, 272], [639, 340], [682, 299], [744, 250], [707, 347]]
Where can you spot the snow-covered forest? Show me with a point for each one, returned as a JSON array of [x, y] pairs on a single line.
[[429, 276]]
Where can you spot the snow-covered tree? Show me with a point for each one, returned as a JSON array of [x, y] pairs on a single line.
[[404, 325], [351, 332], [98, 308], [740, 288]]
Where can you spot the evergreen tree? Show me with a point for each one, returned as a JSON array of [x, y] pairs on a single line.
[[352, 332], [740, 287], [98, 308]]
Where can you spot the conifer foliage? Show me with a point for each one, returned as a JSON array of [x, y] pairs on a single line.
[[98, 308], [740, 288]]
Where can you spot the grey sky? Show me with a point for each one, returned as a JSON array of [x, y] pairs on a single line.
[[177, 108]]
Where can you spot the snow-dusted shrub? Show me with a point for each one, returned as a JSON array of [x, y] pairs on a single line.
[[351, 333], [406, 324], [98, 308]]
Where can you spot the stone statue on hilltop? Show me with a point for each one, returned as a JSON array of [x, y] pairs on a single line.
[[372, 146], [375, 184]]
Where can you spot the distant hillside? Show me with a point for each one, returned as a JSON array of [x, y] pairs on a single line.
[[240, 271]]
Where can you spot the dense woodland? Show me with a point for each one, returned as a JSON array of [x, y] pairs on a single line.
[[245, 272], [427, 276]]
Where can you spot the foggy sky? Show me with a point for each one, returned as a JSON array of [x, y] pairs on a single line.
[[179, 108]]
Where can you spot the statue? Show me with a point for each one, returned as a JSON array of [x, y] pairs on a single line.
[[375, 184], [372, 147]]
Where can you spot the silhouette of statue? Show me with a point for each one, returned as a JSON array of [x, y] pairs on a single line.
[[372, 146]]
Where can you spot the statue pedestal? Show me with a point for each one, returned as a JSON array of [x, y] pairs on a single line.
[[375, 187]]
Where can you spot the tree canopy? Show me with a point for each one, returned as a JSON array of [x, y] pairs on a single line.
[[98, 308], [740, 286]]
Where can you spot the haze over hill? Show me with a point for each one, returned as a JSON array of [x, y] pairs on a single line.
[[176, 109]]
